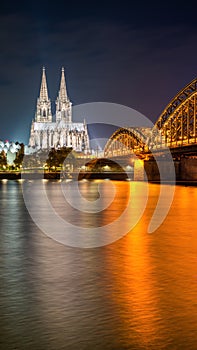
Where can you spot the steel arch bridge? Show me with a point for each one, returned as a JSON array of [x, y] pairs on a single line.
[[125, 141], [176, 127]]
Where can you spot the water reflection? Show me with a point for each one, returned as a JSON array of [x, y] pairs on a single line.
[[134, 295], [138, 293]]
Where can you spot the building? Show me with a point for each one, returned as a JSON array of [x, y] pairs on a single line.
[[63, 132]]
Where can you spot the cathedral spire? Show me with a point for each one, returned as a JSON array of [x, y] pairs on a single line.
[[43, 87], [63, 92], [43, 112], [63, 104]]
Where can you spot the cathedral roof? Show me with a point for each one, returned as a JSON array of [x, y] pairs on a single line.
[[58, 126]]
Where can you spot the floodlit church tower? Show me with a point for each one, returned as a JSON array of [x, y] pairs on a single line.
[[46, 133], [43, 112], [63, 104]]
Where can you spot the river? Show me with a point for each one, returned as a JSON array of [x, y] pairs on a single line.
[[139, 292]]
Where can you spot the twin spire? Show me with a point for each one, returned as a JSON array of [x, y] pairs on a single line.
[[63, 90], [63, 104], [44, 90]]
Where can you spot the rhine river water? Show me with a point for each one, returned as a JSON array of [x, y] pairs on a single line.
[[137, 293]]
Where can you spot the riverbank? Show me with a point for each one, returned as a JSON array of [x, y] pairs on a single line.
[[122, 176], [116, 176]]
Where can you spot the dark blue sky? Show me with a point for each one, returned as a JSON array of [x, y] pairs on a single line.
[[139, 54]]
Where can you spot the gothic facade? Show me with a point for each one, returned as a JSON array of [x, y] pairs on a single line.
[[63, 132]]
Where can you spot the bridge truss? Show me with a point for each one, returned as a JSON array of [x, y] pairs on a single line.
[[175, 128], [177, 122], [125, 141]]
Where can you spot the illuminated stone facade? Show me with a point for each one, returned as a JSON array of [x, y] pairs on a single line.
[[46, 133]]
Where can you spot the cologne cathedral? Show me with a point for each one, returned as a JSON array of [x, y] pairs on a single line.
[[46, 133]]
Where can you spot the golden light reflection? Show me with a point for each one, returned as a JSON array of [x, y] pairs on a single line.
[[133, 278], [4, 181], [140, 285], [20, 180], [134, 282], [149, 273]]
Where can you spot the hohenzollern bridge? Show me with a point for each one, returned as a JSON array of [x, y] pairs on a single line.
[[175, 131], [176, 128]]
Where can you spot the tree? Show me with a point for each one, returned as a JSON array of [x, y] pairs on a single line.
[[57, 157], [3, 159], [19, 156]]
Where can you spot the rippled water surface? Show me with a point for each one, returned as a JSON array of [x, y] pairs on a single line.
[[139, 292]]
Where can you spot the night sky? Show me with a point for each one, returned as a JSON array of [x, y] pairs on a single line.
[[139, 55]]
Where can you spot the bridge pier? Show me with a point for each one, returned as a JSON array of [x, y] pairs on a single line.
[[139, 173], [185, 170], [165, 166], [188, 169], [149, 170]]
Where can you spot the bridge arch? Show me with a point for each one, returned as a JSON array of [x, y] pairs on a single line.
[[126, 141], [176, 127], [178, 121]]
